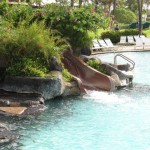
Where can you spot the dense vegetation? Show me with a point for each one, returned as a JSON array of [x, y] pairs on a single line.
[[30, 37]]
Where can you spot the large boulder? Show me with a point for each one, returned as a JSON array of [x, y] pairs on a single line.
[[86, 50], [54, 64], [72, 88], [48, 88]]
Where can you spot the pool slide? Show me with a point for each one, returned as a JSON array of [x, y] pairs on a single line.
[[90, 78]]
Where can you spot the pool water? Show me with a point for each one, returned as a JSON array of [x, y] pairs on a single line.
[[97, 121]]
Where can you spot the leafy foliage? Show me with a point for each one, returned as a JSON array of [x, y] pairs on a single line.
[[97, 65], [26, 67], [17, 13], [123, 15], [67, 76], [33, 42], [115, 35], [3, 7], [73, 24], [132, 5]]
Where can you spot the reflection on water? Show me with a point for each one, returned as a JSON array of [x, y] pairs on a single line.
[[97, 121]]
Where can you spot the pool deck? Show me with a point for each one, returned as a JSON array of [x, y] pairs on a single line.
[[121, 48]]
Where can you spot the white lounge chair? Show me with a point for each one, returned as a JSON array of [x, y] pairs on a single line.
[[102, 43], [135, 37], [130, 39], [96, 45], [138, 42], [109, 43], [143, 38], [146, 42], [122, 40]]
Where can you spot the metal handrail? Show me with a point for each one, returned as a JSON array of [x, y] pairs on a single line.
[[126, 58]]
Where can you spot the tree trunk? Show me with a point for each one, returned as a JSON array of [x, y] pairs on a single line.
[[72, 3], [140, 16], [80, 3], [96, 3], [114, 6]]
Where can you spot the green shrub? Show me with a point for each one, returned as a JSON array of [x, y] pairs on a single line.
[[67, 76], [33, 42], [115, 35], [130, 32], [97, 65], [3, 7], [26, 67], [73, 24], [17, 13]]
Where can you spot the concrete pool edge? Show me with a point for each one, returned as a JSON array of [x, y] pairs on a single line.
[[120, 51]]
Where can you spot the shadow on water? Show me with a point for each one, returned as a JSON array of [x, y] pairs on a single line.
[[56, 110]]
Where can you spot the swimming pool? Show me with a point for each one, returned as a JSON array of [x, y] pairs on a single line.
[[97, 121]]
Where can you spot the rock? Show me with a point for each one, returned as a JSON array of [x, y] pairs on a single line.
[[48, 88], [6, 135], [116, 79], [87, 58], [33, 110], [86, 50], [71, 88], [2, 73], [54, 64], [124, 67]]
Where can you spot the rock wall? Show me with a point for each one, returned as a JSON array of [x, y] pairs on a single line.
[[47, 87]]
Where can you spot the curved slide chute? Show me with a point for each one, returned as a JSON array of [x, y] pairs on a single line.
[[91, 79]]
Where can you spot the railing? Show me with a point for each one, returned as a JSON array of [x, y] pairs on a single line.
[[126, 58]]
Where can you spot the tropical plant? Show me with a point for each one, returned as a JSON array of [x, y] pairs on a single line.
[[31, 43]]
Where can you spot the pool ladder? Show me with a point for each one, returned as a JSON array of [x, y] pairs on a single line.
[[126, 58]]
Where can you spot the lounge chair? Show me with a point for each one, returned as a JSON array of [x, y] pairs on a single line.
[[109, 43], [146, 42], [102, 43], [96, 45], [130, 39], [122, 40], [143, 38], [135, 37], [138, 42]]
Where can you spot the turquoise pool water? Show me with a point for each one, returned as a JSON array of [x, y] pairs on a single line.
[[97, 121]]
